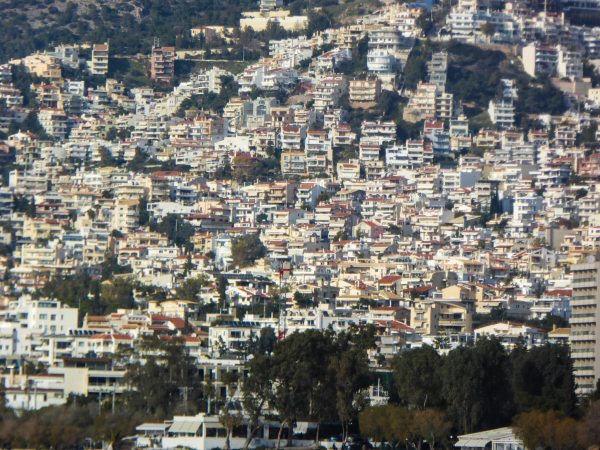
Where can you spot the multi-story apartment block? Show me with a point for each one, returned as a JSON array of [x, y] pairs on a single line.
[[319, 152], [342, 135], [381, 62], [378, 131], [386, 38], [125, 217], [274, 78], [291, 138], [527, 205], [68, 55], [365, 91], [209, 80], [369, 152], [162, 64], [11, 95], [329, 91], [349, 170], [252, 77], [437, 70], [333, 58], [98, 65], [583, 338], [545, 59], [293, 163], [422, 103], [502, 113], [55, 122], [42, 315]]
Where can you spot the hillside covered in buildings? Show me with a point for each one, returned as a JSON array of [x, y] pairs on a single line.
[[231, 225]]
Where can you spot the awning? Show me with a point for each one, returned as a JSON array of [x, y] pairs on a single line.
[[185, 427], [478, 443], [152, 427]]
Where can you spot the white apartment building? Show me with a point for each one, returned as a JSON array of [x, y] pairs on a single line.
[[54, 122], [329, 91], [11, 95], [386, 38], [381, 62], [545, 59], [502, 113], [331, 59], [42, 315], [208, 80], [252, 77], [527, 205], [275, 77], [378, 131], [269, 5]]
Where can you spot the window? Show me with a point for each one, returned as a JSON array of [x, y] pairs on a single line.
[[53, 317], [43, 316]]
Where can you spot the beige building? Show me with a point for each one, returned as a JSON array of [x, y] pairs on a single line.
[[44, 66], [365, 91], [98, 65], [429, 317], [125, 216]]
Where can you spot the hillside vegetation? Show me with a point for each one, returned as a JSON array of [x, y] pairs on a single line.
[[27, 26]]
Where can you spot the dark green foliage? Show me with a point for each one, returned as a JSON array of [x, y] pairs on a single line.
[[111, 267], [156, 383], [357, 66], [210, 101], [416, 69], [166, 20], [542, 379], [138, 163], [317, 21], [262, 344], [177, 230], [588, 134], [483, 386], [143, 214], [417, 378], [395, 230], [303, 300], [259, 170], [245, 250]]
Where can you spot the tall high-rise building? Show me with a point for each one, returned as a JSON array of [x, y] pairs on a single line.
[[585, 350]]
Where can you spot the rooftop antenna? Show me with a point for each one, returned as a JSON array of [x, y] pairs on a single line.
[[156, 42]]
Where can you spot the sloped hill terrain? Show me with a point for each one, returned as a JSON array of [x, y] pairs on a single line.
[[131, 25]]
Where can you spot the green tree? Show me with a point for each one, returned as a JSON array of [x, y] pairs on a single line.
[[191, 287], [257, 392], [245, 250], [488, 29], [417, 377], [31, 208], [143, 214], [303, 300], [222, 284]]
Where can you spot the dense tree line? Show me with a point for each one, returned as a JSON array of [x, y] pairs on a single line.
[[314, 376], [484, 386]]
